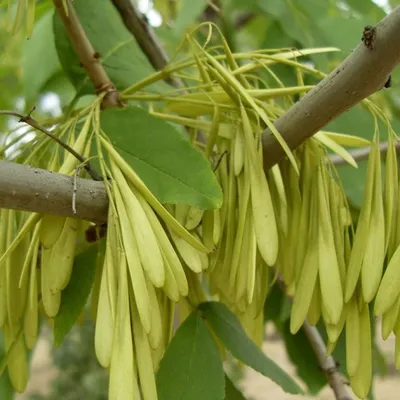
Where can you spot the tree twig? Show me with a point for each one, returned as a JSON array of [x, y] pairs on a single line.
[[34, 124], [327, 364], [36, 190], [145, 37], [361, 154], [87, 55], [362, 73]]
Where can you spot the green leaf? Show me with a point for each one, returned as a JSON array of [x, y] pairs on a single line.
[[353, 181], [368, 8], [358, 122], [189, 12], [294, 20], [75, 295], [120, 55], [249, 5], [169, 165], [297, 346], [273, 304], [275, 38], [231, 392], [277, 306], [302, 356], [286, 309], [344, 38], [39, 58], [276, 8], [230, 332], [191, 368]]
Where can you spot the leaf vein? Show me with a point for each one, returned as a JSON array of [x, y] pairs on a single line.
[[167, 174]]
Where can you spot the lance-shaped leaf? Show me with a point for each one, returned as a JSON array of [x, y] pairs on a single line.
[[191, 368], [228, 329], [231, 392]]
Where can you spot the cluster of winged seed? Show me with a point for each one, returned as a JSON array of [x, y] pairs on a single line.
[[143, 274], [337, 271], [300, 224], [142, 280], [36, 259], [291, 225], [294, 223]]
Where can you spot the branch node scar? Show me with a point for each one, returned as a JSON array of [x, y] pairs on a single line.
[[106, 87], [369, 37]]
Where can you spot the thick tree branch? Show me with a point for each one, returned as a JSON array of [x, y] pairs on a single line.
[[32, 189], [87, 54], [327, 364], [145, 37], [362, 73]]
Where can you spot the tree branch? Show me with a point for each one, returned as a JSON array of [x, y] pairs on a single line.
[[362, 73], [327, 364], [32, 189], [87, 54], [145, 37], [361, 154]]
